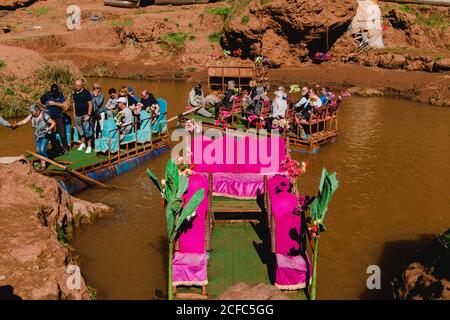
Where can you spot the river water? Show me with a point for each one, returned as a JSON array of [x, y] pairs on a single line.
[[392, 159]]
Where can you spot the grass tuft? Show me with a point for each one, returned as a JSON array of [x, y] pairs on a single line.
[[214, 37], [175, 41], [122, 23]]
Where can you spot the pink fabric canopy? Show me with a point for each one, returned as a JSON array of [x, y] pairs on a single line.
[[247, 154]]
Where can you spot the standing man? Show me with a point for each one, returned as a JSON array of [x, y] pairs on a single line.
[[82, 100], [55, 104], [98, 111]]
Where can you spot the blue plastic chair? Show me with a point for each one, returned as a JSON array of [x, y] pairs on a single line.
[[144, 134], [160, 124], [109, 137]]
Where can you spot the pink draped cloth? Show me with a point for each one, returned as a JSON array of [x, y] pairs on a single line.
[[238, 163], [291, 268], [236, 185], [247, 154], [190, 261]]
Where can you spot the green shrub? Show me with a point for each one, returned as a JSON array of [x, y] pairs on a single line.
[[60, 74], [179, 74], [61, 235], [223, 12], [214, 37], [174, 41], [122, 23], [245, 19], [405, 8], [17, 94], [40, 11], [2, 64]]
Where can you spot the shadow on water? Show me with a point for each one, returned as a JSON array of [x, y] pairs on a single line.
[[394, 259], [7, 293]]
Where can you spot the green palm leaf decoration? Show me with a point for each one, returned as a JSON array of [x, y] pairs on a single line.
[[173, 191], [182, 185], [189, 209], [154, 180], [328, 184]]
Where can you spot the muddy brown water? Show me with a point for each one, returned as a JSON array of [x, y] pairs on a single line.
[[392, 159]]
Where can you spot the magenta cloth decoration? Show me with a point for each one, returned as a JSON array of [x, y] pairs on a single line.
[[192, 233], [236, 185], [247, 154], [278, 182], [190, 261], [291, 268], [189, 269], [290, 273]]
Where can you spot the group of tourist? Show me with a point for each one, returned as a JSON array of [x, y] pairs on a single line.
[[254, 100], [90, 110]]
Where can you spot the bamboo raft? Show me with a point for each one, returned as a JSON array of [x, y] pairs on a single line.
[[240, 249], [321, 129], [240, 234], [77, 170]]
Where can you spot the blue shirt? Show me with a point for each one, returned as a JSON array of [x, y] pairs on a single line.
[[53, 111], [324, 98]]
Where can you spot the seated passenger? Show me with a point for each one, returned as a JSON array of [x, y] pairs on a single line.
[[303, 103], [110, 105], [127, 119], [316, 103], [212, 99], [252, 93], [123, 93], [132, 94], [279, 105], [325, 96], [196, 99], [257, 101], [228, 98], [149, 103]]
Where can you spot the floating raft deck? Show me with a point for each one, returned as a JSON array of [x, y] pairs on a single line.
[[101, 167], [296, 142], [239, 252]]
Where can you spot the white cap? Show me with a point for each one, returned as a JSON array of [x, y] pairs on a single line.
[[122, 100]]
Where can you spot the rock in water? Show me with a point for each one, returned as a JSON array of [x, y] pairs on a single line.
[[261, 291], [429, 276], [34, 213]]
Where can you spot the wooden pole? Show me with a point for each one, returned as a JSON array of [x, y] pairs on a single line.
[[314, 275], [183, 114], [75, 173]]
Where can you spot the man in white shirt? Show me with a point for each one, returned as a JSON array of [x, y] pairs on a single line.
[[279, 105], [127, 121]]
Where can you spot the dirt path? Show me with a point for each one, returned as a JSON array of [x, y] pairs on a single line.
[[35, 261]]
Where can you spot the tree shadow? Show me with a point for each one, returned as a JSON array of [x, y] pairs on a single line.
[[394, 259], [7, 293]]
